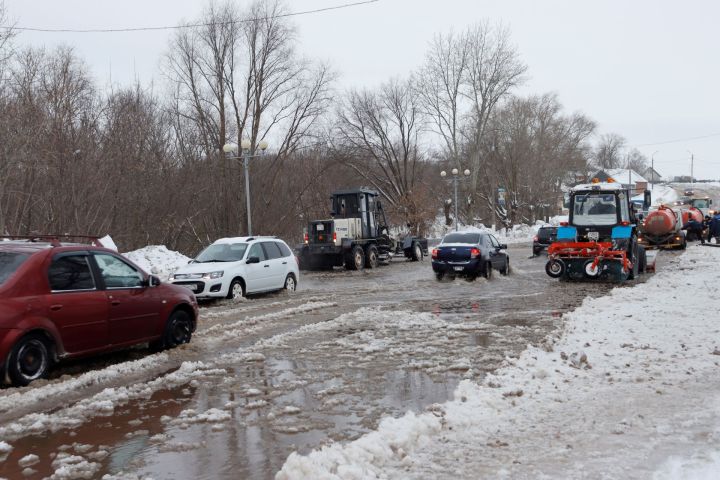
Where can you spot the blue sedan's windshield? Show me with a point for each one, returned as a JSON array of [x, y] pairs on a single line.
[[471, 238], [225, 252]]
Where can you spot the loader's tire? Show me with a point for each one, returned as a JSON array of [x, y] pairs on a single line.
[[555, 268], [416, 254], [371, 257], [356, 260]]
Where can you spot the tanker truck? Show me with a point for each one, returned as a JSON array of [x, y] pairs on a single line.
[[662, 228]]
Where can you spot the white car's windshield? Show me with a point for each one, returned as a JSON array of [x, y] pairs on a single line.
[[225, 252], [595, 209], [701, 203]]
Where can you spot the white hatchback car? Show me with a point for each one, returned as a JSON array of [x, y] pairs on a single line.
[[234, 267]]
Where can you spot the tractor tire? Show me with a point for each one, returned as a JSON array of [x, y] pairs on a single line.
[[356, 259], [589, 271], [555, 268], [371, 257], [635, 270], [642, 260]]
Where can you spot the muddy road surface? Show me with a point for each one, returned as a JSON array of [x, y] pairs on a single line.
[[281, 373]]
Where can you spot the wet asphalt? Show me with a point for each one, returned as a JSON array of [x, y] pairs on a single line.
[[377, 343]]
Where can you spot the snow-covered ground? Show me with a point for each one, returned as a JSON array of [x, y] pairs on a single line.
[[630, 389]]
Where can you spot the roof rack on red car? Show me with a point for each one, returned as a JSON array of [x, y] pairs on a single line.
[[54, 240]]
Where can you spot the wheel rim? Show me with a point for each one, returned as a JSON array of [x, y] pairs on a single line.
[[590, 271], [290, 283], [236, 291], [418, 252], [555, 268], [180, 332], [32, 359], [373, 258], [358, 260]]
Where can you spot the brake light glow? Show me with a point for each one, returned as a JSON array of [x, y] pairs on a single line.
[[334, 237], [564, 224], [474, 252], [624, 223], [434, 253], [307, 238], [535, 238]]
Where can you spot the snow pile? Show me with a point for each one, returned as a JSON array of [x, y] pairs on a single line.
[[661, 195], [158, 260], [629, 391], [516, 234]]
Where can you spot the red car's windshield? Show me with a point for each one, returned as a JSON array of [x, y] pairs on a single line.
[[9, 263]]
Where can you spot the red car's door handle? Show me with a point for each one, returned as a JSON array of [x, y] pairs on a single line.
[[55, 308], [115, 303]]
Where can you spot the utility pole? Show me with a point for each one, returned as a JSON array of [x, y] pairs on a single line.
[[692, 165], [652, 170]]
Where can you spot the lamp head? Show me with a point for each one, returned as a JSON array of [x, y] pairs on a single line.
[[467, 172], [454, 171], [230, 147], [443, 174], [263, 145], [245, 144]]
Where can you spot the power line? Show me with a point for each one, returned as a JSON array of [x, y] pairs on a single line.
[[678, 140], [177, 27]]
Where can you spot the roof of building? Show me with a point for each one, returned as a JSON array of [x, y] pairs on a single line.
[[624, 175]]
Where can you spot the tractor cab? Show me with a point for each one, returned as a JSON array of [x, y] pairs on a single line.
[[597, 208]]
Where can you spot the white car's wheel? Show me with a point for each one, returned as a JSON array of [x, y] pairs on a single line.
[[236, 290], [290, 283]]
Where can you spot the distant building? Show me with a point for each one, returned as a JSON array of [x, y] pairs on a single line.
[[652, 175], [628, 178]]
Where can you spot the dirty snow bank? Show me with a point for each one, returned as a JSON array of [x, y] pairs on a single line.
[[158, 260], [629, 391]]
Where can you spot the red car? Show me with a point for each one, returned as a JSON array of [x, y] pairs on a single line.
[[61, 300]]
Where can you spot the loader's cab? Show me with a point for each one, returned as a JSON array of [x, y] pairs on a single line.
[[362, 204]]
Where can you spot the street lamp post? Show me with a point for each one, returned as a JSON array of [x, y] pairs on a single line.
[[246, 147], [692, 164], [455, 179]]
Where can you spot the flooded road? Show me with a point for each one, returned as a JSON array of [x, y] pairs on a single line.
[[282, 373]]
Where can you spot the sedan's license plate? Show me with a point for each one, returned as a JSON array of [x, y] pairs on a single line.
[[458, 269]]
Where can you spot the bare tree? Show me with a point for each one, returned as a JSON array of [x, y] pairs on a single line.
[[378, 132], [240, 76], [609, 151], [535, 146], [441, 82], [494, 70]]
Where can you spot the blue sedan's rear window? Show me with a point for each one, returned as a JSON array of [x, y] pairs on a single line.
[[473, 238], [9, 263]]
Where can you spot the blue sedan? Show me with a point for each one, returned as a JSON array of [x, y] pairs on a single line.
[[470, 255]]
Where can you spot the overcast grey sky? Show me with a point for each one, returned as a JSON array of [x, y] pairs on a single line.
[[648, 70]]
